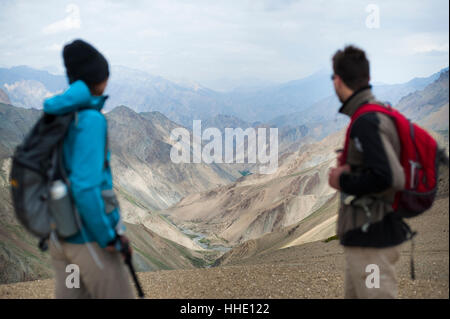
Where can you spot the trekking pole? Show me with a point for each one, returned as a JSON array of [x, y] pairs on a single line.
[[128, 262]]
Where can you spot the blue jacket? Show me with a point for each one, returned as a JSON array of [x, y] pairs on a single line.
[[84, 158]]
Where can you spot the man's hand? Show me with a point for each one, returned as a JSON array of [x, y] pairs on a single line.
[[120, 244], [335, 173]]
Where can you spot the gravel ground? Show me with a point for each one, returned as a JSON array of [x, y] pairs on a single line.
[[320, 277], [313, 270], [247, 281]]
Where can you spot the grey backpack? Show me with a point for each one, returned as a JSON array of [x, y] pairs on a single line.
[[36, 164]]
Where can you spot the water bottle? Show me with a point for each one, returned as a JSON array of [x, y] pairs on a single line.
[[62, 210]]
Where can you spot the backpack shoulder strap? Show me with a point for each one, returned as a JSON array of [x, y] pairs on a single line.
[[372, 107], [105, 163], [366, 108]]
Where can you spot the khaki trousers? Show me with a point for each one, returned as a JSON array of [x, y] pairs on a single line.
[[370, 272], [113, 281]]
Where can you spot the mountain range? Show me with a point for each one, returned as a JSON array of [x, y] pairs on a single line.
[[257, 205], [178, 214], [429, 106], [322, 117], [145, 182], [296, 100]]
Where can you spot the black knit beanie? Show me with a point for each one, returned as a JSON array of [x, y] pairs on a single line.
[[84, 62]]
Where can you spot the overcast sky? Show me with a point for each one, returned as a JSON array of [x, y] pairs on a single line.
[[214, 42]]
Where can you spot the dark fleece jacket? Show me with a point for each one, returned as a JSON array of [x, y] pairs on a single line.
[[376, 174]]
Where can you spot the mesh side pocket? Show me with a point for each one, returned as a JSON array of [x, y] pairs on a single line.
[[110, 200]]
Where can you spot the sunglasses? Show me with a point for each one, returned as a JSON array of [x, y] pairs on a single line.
[[333, 76]]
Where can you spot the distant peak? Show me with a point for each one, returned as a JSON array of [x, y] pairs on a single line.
[[21, 67], [26, 68], [443, 74], [121, 109], [4, 98]]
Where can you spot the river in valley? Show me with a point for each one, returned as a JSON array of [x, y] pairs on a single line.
[[199, 236]]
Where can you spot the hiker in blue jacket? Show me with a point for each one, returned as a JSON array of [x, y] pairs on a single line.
[[95, 248]]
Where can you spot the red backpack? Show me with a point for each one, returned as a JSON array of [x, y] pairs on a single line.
[[419, 157]]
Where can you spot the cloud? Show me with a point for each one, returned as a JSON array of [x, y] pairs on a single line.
[[149, 32], [421, 43], [432, 47], [54, 47], [71, 21], [205, 41], [427, 43]]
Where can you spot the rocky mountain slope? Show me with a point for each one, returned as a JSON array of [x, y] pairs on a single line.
[[322, 118], [21, 260], [314, 270], [259, 204], [4, 98], [429, 106], [321, 226], [296, 200], [146, 92], [256, 214], [27, 87], [159, 244], [15, 123], [140, 147]]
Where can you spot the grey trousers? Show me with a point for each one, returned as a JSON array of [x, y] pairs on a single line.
[[77, 276], [370, 272]]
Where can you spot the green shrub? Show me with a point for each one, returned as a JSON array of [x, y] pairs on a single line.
[[245, 173], [335, 237]]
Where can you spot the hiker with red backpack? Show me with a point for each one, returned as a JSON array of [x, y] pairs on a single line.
[[386, 171]]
